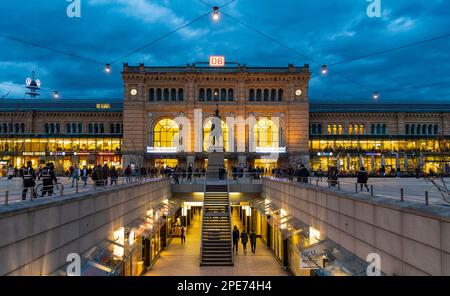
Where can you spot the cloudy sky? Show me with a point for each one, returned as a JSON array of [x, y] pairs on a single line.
[[320, 32]]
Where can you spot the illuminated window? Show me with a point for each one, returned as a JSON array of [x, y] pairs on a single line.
[[266, 134], [329, 129], [350, 129], [340, 129], [216, 94], [207, 132], [166, 133]]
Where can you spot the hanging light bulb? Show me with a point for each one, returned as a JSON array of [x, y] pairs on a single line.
[[216, 13], [56, 94], [376, 95], [324, 70], [108, 68]]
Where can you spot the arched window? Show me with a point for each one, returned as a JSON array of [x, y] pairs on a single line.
[[413, 129], [424, 129], [280, 94], [223, 94], [266, 134], [201, 94], [266, 95], [16, 128], [258, 95], [313, 129], [430, 129], [68, 128], [407, 129], [118, 129], [383, 129], [158, 94], [112, 128], [151, 94], [251, 95], [209, 94], [166, 133], [207, 132], [418, 129], [96, 128], [102, 128], [319, 129], [436, 129], [173, 94], [180, 94], [22, 128], [80, 128], [52, 128], [230, 94], [273, 95], [58, 128], [216, 94], [74, 128], [166, 94], [90, 128], [378, 129], [350, 129]]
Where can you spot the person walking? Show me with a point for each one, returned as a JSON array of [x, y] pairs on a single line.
[[252, 237], [75, 174], [97, 176], [319, 173], [128, 174], [84, 175], [235, 238], [48, 180], [189, 173], [362, 179], [113, 175], [244, 240], [105, 174], [10, 172], [183, 235], [28, 176]]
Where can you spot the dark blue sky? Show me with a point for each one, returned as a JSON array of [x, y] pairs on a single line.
[[328, 31]]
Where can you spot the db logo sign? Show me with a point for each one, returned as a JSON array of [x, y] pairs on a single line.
[[216, 61]]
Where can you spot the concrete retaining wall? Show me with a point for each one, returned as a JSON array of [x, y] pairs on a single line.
[[35, 238], [411, 239]]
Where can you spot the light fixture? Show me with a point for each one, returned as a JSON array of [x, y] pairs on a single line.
[[56, 94], [133, 91], [324, 70], [216, 13], [376, 95], [298, 92], [108, 68]]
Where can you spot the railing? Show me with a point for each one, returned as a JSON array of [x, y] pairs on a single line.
[[11, 192], [400, 189], [179, 178], [203, 216], [229, 217]]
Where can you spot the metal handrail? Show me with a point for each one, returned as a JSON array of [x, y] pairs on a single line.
[[229, 215], [203, 216]]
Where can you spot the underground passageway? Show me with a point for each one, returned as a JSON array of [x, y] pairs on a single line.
[[184, 259]]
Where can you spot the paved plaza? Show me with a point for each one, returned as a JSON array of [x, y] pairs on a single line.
[[184, 260]]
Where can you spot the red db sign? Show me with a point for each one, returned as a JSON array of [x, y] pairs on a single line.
[[216, 61]]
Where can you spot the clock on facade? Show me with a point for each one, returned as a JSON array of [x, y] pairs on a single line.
[[133, 92], [298, 92]]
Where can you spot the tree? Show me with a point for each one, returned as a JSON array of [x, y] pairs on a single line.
[[441, 185]]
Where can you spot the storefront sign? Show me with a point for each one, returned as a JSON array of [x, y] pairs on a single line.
[[33, 153], [161, 149], [270, 149], [311, 258], [216, 61], [324, 153]]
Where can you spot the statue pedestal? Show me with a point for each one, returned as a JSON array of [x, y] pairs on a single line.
[[215, 149], [215, 161]]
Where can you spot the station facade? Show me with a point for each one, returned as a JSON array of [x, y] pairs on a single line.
[[165, 116]]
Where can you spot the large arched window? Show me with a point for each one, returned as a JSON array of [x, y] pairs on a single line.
[[201, 94], [207, 132], [266, 133], [166, 133]]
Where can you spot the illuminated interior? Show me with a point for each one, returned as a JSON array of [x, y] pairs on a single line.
[[266, 133], [166, 133]]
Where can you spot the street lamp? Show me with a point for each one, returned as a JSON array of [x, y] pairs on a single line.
[[376, 95], [108, 68], [56, 94], [216, 13], [324, 70]]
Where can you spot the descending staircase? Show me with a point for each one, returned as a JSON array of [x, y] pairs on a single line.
[[216, 247]]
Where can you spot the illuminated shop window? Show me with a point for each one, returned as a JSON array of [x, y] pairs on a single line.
[[166, 133], [207, 132], [266, 133]]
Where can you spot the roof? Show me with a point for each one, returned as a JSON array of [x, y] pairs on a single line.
[[62, 105], [394, 107], [205, 68]]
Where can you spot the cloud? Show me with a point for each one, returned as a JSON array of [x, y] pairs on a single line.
[[401, 24]]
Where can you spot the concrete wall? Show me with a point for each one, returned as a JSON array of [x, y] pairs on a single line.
[[35, 238], [411, 239]]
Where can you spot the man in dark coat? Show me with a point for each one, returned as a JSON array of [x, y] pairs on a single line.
[[362, 178], [28, 176], [48, 180], [244, 240], [235, 239], [252, 237]]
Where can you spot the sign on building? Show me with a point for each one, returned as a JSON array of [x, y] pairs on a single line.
[[216, 61]]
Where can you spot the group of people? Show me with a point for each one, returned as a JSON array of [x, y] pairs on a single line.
[[244, 237], [29, 176]]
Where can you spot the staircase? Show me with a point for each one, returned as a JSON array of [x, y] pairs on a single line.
[[217, 246]]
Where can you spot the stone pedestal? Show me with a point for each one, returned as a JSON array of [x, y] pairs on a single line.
[[215, 161]]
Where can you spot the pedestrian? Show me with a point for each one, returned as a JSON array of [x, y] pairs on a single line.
[[84, 175], [183, 235], [189, 176], [304, 173], [75, 174], [10, 172], [399, 172], [105, 174], [244, 240], [332, 176], [113, 175], [235, 238], [252, 237], [48, 180], [362, 179], [319, 173], [97, 176], [28, 176], [128, 174]]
